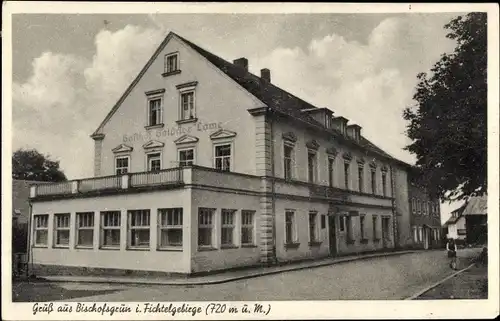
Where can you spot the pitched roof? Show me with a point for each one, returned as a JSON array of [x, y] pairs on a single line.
[[477, 205], [274, 97]]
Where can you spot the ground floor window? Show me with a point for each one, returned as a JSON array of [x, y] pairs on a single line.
[[110, 229], [205, 227], [227, 227], [62, 231], [85, 229], [342, 223], [170, 227], [139, 228], [348, 226], [420, 234], [374, 227], [289, 227], [247, 227], [362, 226], [415, 234], [313, 227], [41, 229]]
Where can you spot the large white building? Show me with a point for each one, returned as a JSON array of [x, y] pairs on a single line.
[[203, 166]]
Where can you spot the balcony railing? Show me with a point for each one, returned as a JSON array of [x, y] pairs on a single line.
[[156, 178], [171, 176]]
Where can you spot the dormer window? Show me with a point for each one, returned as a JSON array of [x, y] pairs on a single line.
[[171, 62]]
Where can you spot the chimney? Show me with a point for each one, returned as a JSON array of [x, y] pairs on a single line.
[[265, 74], [241, 62]]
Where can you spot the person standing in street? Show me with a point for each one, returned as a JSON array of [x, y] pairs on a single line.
[[451, 247]]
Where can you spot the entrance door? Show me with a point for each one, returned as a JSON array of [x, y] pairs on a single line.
[[332, 235]]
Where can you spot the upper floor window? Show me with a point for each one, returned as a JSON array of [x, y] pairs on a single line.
[[154, 111], [331, 166], [311, 166], [288, 152], [171, 62], [346, 175], [154, 162], [361, 174], [122, 165], [186, 157], [222, 158], [384, 183], [373, 175], [187, 105]]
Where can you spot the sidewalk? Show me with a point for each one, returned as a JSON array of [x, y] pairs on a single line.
[[218, 278], [471, 283]]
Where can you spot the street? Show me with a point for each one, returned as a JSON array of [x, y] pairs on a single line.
[[384, 278]]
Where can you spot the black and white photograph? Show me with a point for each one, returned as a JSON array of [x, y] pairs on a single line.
[[219, 161]]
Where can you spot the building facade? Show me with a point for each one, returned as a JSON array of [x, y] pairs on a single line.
[[204, 166], [425, 215]]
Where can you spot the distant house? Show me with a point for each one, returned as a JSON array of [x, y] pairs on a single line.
[[468, 223]]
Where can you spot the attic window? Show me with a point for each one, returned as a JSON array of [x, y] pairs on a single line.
[[171, 63]]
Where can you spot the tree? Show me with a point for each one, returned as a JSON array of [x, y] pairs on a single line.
[[447, 125], [33, 166]]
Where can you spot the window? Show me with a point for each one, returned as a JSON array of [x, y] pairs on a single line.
[[138, 228], [373, 174], [110, 229], [61, 229], [424, 207], [154, 111], [374, 227], [413, 205], [348, 223], [186, 157], [311, 166], [313, 237], [419, 207], [247, 227], [384, 183], [346, 175], [154, 162], [288, 161], [342, 223], [170, 227], [205, 226], [362, 226], [122, 165], [85, 229], [187, 105], [420, 232], [323, 221], [171, 62], [227, 228], [289, 227], [415, 234], [41, 230], [223, 157], [331, 166], [360, 178]]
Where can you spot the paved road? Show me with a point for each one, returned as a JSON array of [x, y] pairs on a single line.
[[393, 277]]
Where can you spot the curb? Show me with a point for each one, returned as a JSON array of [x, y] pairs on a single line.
[[427, 289], [224, 280]]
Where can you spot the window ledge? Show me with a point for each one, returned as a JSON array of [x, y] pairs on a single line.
[[187, 121], [315, 243], [110, 248], [364, 241], [170, 249], [171, 73], [349, 241], [41, 246], [248, 245], [228, 246], [138, 248], [61, 246], [83, 247], [154, 126], [206, 248], [293, 245], [376, 240]]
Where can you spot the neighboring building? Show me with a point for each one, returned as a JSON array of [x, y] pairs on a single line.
[[468, 224], [202, 166], [425, 214], [456, 225]]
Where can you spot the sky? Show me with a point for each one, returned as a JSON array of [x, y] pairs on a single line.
[[70, 69]]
